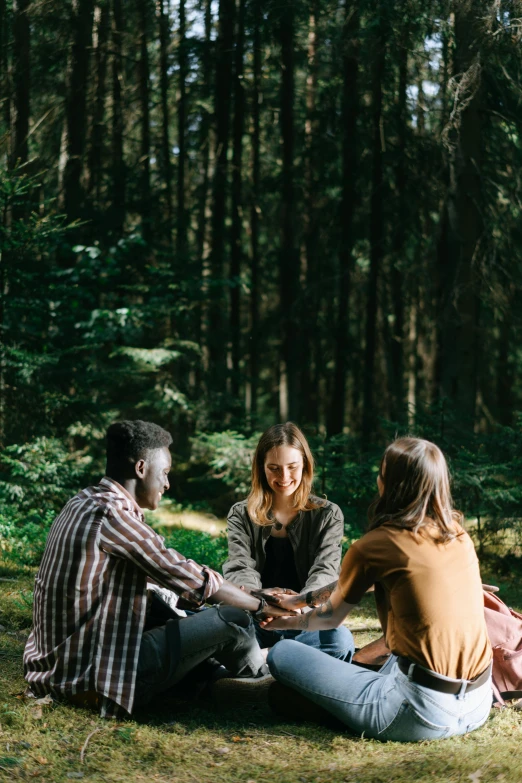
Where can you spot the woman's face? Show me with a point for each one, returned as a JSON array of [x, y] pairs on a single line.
[[284, 469]]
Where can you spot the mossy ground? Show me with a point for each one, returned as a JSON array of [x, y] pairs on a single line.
[[180, 743]]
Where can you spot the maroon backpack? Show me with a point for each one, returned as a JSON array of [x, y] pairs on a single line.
[[505, 634]]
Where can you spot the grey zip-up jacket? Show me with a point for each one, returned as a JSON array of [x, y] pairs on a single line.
[[315, 537]]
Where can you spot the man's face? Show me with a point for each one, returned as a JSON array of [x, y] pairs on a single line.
[[153, 479]]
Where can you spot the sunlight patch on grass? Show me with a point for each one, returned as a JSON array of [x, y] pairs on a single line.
[[170, 515]]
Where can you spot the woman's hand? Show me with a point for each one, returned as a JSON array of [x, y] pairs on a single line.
[[282, 597], [289, 600], [279, 591], [272, 613], [281, 623]]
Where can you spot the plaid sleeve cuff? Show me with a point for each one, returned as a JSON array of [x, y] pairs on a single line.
[[213, 582]]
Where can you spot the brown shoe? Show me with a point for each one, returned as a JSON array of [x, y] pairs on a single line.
[[232, 691]]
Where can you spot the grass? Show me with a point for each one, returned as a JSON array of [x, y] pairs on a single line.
[[180, 743]]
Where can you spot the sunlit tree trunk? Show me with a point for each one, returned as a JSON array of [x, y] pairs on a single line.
[[94, 163], [236, 252], [255, 211], [311, 347], [289, 255], [459, 323], [399, 236], [218, 321], [181, 238], [76, 107], [166, 168], [376, 233], [348, 201], [144, 99], [204, 142], [118, 189]]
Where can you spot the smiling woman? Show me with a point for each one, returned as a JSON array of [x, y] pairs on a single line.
[[283, 538]]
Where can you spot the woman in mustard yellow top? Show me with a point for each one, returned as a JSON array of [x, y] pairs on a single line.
[[437, 682]]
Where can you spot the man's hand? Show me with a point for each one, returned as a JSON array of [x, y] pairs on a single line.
[[271, 612], [233, 596], [273, 595]]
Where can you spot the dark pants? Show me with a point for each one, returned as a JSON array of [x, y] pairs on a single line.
[[170, 651]]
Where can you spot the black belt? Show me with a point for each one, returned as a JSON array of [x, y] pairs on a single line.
[[428, 680]]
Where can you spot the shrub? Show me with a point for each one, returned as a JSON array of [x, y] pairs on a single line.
[[201, 547], [36, 480]]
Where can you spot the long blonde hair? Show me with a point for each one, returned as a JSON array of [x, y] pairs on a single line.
[[416, 489], [261, 497]]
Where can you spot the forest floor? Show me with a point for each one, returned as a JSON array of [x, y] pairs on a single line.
[[178, 742]]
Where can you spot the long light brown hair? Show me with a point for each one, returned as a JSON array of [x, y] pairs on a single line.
[[261, 497], [416, 489]]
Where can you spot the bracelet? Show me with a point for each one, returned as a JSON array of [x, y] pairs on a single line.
[[308, 598], [259, 611]]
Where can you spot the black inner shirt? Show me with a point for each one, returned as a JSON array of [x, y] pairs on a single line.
[[280, 570]]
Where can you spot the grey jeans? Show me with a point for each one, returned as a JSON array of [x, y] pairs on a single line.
[[170, 651]]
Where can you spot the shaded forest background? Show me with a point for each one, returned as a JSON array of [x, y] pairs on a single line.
[[218, 215]]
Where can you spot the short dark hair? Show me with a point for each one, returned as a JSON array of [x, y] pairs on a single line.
[[130, 441]]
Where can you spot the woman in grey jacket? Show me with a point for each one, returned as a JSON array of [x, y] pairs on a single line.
[[283, 538]]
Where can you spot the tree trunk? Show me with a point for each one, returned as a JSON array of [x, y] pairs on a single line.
[[505, 366], [458, 256], [396, 276], [348, 202], [236, 228], [144, 99], [164, 35], [118, 206], [21, 81], [204, 146], [181, 241], [312, 300], [376, 234], [76, 107], [289, 255], [218, 333], [255, 212], [5, 80], [94, 164]]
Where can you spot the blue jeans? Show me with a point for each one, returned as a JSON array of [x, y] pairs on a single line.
[[385, 705], [337, 642]]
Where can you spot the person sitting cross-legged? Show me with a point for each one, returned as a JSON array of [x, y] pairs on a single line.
[[284, 539], [437, 682], [94, 641]]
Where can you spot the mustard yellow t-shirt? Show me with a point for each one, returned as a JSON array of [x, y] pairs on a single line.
[[428, 595]]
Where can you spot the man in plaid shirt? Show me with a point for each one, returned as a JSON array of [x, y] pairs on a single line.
[[93, 639]]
